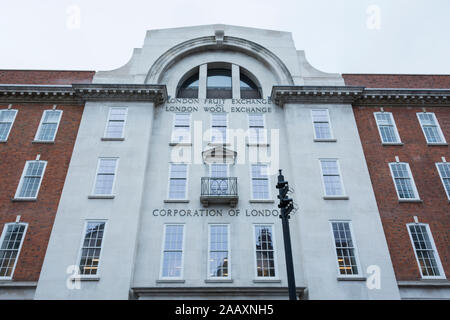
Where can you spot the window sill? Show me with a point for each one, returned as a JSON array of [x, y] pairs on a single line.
[[219, 144], [23, 199], [112, 139], [43, 142], [81, 278], [437, 282], [266, 281], [351, 278], [218, 280], [410, 200], [182, 144], [170, 281], [325, 140], [255, 144], [437, 144], [261, 201], [176, 201], [3, 141], [392, 143], [94, 196], [335, 197]]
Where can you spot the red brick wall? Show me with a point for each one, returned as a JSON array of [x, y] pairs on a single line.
[[397, 80], [435, 209], [45, 77], [39, 214], [19, 148]]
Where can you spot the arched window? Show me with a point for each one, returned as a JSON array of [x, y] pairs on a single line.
[[249, 90], [219, 84], [214, 80], [189, 88]]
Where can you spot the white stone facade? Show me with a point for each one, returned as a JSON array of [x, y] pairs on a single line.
[[131, 254]]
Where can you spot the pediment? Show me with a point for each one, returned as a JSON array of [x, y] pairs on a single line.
[[219, 154]]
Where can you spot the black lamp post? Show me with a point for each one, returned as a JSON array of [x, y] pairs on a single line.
[[286, 205]]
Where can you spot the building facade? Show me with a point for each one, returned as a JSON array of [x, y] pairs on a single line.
[[37, 134], [170, 192], [410, 134]]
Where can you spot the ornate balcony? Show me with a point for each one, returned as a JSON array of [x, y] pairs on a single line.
[[219, 191]]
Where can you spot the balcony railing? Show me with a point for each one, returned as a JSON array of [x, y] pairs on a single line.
[[219, 190]]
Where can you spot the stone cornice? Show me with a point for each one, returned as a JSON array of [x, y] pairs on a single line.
[[314, 94], [360, 96], [81, 93]]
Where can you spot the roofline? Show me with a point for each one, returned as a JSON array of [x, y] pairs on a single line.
[[395, 74], [48, 70]]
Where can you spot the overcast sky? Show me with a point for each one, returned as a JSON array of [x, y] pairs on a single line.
[[345, 36]]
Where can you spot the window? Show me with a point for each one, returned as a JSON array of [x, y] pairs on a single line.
[[444, 173], [172, 262], [181, 128], [331, 177], [260, 182], [218, 254], [218, 172], [386, 127], [116, 123], [7, 118], [106, 172], [219, 84], [430, 127], [426, 254], [177, 181], [48, 126], [404, 183], [31, 179], [321, 122], [219, 127], [249, 90], [91, 248], [257, 133], [345, 248], [189, 88], [11, 243], [265, 252]]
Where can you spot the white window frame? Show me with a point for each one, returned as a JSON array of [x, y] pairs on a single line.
[[96, 175], [83, 235], [441, 134], [172, 140], [358, 263], [19, 187], [344, 193], [36, 137], [275, 260], [447, 192], [438, 259], [181, 277], [264, 141], [105, 137], [187, 182], [397, 135], [413, 183], [332, 138], [5, 228], [12, 123], [209, 251], [270, 198], [212, 129]]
